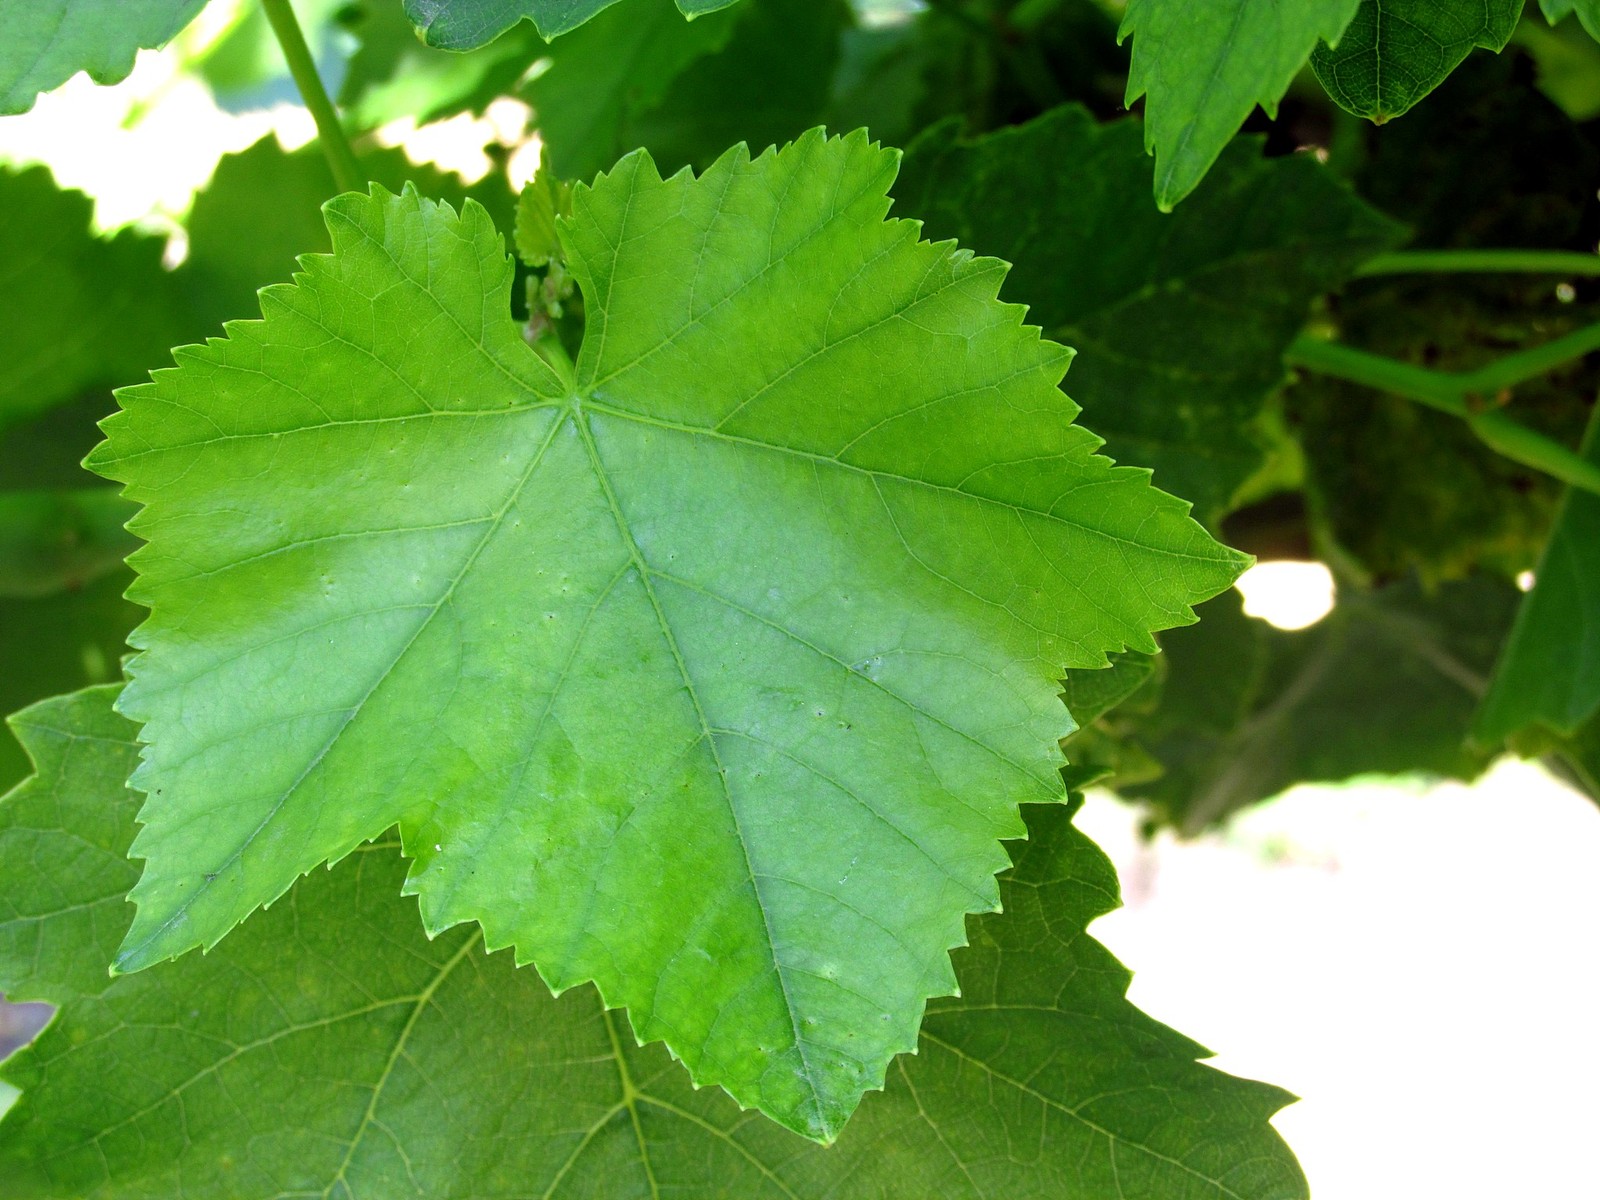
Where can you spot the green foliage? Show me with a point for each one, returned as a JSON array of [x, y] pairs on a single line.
[[78, 311], [1387, 683], [43, 43], [1396, 488], [1549, 672], [1203, 67], [687, 604], [334, 1050], [637, 75], [604, 77], [544, 202], [734, 488], [1180, 321], [1395, 52], [393, 75], [1588, 13], [468, 24]]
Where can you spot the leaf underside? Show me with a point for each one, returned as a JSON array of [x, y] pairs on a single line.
[[330, 1049], [468, 24], [43, 43], [1395, 52], [714, 675], [1203, 66]]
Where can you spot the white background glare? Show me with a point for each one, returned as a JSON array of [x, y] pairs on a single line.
[[1290, 595]]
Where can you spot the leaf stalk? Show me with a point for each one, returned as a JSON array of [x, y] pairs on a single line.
[[1473, 396], [1463, 262], [347, 173]]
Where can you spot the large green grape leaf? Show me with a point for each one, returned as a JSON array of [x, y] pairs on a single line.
[[1385, 684], [1394, 52], [468, 24], [1203, 66], [84, 313], [713, 672], [1180, 320], [1549, 672], [329, 1048], [43, 43]]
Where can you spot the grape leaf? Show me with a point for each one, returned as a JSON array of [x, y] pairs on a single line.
[[77, 311], [393, 75], [1180, 321], [43, 43], [1549, 671], [1385, 684], [769, 84], [278, 197], [70, 639], [1394, 52], [603, 76], [329, 1048], [713, 673], [468, 24], [1203, 66], [639, 76], [542, 202], [1588, 13]]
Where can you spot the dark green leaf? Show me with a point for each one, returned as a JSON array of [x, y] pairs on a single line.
[[1090, 694], [76, 311], [1394, 52], [1588, 12], [278, 198], [603, 77], [393, 75], [537, 619], [1202, 68], [637, 76], [68, 639], [1386, 684], [467, 24], [330, 1049], [1549, 672], [1180, 320], [43, 43]]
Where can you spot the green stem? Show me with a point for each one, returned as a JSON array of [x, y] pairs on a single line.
[[547, 345], [347, 173], [1469, 395], [1458, 262]]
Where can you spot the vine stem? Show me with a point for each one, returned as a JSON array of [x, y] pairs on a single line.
[[347, 173], [1462, 262], [1470, 395]]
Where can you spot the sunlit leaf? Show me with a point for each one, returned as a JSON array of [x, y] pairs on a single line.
[[330, 1049], [712, 671]]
